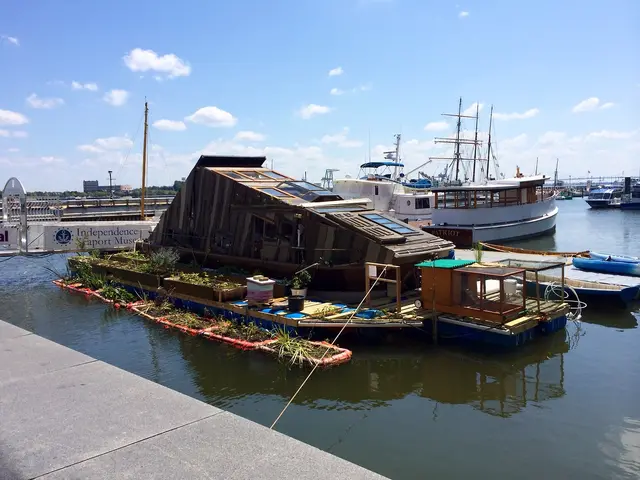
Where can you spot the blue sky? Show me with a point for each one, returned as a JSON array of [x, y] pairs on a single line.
[[259, 65]]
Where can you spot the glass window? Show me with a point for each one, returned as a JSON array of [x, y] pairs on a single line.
[[274, 175], [422, 203], [392, 225], [339, 209], [273, 192], [307, 186], [233, 175], [254, 175]]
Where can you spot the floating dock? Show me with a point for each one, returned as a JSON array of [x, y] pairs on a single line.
[[151, 432], [570, 271]]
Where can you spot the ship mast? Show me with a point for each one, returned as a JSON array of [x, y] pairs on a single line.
[[475, 144], [144, 161], [489, 142], [394, 155], [457, 141]]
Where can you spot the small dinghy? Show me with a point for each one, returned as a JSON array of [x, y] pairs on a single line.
[[607, 266], [590, 292], [614, 258]]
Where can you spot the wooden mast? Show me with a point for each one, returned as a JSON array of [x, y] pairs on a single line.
[[144, 161], [489, 142], [475, 143]]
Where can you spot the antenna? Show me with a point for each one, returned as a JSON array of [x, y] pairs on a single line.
[[536, 166], [489, 141]]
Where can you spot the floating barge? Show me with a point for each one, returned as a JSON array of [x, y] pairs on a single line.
[[501, 315]]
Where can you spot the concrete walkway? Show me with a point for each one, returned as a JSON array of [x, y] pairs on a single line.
[[64, 415]]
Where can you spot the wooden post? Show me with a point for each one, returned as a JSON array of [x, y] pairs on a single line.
[[398, 300], [537, 291], [367, 284]]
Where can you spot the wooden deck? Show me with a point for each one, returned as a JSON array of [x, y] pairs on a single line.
[[318, 314]]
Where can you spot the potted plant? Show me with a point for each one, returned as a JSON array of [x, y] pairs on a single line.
[[299, 283]]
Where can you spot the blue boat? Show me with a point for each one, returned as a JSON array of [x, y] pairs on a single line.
[[607, 266], [614, 258], [591, 292]]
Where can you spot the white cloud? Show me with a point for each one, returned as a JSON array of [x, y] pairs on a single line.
[[363, 88], [7, 117], [173, 125], [341, 140], [13, 133], [100, 145], [471, 109], [212, 117], [50, 160], [532, 112], [590, 104], [13, 150], [36, 102], [92, 87], [249, 136], [336, 91], [463, 14], [436, 126], [116, 97], [11, 40], [577, 153], [612, 135], [334, 72], [139, 60], [312, 110]]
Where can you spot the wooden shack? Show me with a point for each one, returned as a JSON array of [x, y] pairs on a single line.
[[467, 289], [232, 211]]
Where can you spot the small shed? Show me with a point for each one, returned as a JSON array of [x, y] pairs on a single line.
[[468, 289]]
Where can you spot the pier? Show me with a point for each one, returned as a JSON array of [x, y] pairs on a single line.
[[67, 415]]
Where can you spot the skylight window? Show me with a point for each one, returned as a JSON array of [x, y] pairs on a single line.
[[274, 192], [392, 225], [254, 175]]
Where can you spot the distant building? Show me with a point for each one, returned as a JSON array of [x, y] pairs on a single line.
[[92, 186], [126, 188]]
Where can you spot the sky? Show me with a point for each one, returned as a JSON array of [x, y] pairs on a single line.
[[313, 84]]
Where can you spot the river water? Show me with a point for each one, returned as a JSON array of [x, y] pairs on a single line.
[[563, 407]]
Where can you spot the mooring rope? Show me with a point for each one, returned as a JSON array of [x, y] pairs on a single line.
[[328, 348]]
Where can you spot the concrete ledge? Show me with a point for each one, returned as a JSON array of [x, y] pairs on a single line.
[[66, 415]]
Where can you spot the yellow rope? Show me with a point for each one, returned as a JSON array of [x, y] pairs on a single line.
[[328, 348]]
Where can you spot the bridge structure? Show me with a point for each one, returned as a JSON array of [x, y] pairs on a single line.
[[36, 226]]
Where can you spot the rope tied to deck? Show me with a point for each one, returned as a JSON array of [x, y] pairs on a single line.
[[331, 345]]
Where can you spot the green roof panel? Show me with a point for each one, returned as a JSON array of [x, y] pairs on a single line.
[[446, 263]]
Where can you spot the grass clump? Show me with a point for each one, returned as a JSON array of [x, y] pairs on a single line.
[[203, 278], [249, 332], [117, 294], [296, 350]]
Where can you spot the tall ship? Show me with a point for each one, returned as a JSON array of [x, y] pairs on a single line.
[[385, 184], [475, 207]]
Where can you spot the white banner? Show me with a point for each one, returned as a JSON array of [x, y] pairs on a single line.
[[8, 237], [94, 235]]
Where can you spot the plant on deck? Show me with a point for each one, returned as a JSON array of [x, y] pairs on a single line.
[[132, 255], [161, 262], [88, 278], [477, 252], [301, 280], [215, 281]]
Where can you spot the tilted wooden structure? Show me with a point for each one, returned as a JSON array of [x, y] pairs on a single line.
[[232, 211]]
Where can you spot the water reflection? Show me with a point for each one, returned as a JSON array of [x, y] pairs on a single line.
[[621, 448], [611, 317], [500, 385]]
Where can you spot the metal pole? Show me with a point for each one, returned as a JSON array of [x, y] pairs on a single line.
[[110, 185], [144, 161]]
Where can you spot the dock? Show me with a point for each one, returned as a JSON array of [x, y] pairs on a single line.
[[570, 271], [67, 415]]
